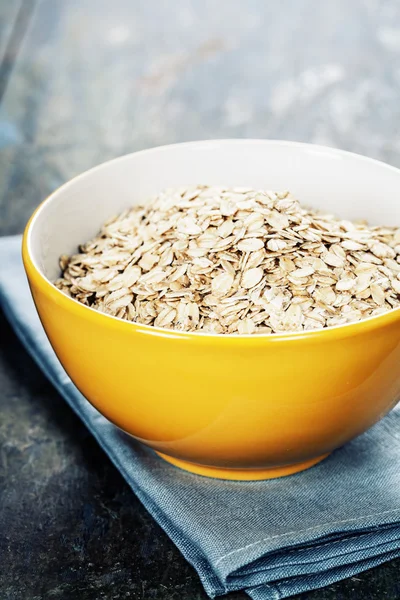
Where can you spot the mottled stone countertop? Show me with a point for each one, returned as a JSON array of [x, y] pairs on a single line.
[[82, 81]]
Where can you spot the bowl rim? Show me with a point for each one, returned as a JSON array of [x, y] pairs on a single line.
[[49, 289]]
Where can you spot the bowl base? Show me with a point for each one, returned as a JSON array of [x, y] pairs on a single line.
[[242, 474]]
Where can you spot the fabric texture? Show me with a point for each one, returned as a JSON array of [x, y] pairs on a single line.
[[270, 538]]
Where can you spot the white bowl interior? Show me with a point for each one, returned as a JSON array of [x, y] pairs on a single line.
[[350, 186]]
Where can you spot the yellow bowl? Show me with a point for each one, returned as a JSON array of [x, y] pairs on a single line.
[[238, 407]]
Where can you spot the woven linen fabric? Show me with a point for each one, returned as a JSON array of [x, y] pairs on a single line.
[[270, 538]]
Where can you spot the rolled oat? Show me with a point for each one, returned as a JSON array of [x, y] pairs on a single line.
[[223, 260]]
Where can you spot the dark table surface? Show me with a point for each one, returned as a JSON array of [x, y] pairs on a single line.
[[82, 81]]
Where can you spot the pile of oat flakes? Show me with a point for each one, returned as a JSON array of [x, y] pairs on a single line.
[[223, 260]]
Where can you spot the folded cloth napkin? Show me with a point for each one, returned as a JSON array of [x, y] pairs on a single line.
[[270, 538]]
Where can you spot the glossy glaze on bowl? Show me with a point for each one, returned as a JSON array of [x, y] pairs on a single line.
[[244, 407]]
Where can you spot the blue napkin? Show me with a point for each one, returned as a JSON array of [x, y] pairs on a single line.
[[270, 538]]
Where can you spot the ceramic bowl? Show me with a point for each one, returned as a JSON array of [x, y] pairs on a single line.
[[239, 407]]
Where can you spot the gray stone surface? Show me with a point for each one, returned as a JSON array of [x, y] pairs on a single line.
[[88, 80]]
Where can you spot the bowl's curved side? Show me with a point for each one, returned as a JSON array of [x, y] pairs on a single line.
[[240, 404]]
